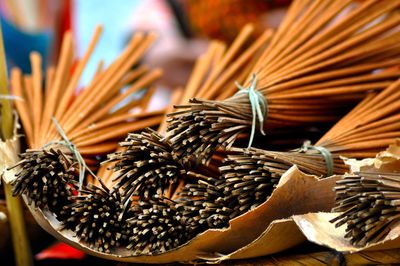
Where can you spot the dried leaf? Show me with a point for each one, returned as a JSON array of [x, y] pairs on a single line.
[[8, 156]]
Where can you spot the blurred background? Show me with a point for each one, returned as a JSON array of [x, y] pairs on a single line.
[[184, 28]]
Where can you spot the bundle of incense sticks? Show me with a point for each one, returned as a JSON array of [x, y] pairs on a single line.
[[368, 129], [212, 203], [44, 176], [157, 227], [96, 217], [62, 123], [369, 205], [322, 60]]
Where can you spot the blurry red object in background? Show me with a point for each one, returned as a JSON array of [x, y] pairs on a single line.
[[60, 251]]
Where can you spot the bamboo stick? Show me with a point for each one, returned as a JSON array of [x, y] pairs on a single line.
[[14, 206]]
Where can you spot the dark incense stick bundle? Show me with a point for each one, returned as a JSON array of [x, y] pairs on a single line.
[[212, 203], [97, 217], [44, 178], [57, 117], [157, 227], [369, 203], [204, 204], [104, 220], [319, 63]]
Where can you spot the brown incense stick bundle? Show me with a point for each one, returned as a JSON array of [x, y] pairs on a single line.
[[98, 218], [368, 129], [87, 116], [157, 227], [320, 62], [369, 202], [204, 204], [80, 127]]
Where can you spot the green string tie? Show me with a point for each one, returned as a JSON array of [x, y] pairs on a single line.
[[11, 97], [81, 162], [259, 106], [327, 155]]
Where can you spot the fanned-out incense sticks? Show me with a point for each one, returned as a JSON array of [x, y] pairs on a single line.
[[205, 205], [146, 166], [85, 121], [156, 228], [320, 62], [370, 205], [250, 183], [44, 178], [212, 203], [97, 218], [101, 220]]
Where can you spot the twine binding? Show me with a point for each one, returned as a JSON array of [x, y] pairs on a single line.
[[327, 155], [259, 106], [81, 162]]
